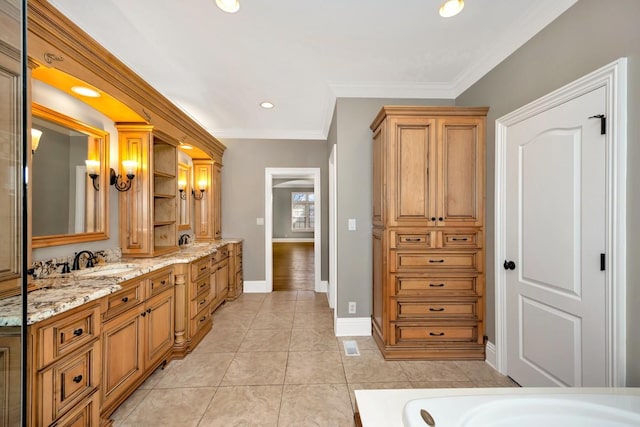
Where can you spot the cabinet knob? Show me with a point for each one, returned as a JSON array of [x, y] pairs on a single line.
[[143, 314], [433, 218], [78, 332], [77, 379], [441, 219], [125, 299], [163, 282], [148, 310]]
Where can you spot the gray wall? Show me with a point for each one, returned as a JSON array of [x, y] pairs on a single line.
[[353, 138], [589, 35], [243, 184], [282, 214]]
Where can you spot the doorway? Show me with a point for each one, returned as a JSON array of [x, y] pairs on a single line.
[[560, 235], [273, 176]]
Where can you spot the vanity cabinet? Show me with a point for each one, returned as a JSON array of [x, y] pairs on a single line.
[[65, 359], [199, 299], [428, 235], [219, 277], [208, 217], [235, 271], [137, 334], [148, 211]]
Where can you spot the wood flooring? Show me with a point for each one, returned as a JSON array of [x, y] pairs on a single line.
[[293, 267]]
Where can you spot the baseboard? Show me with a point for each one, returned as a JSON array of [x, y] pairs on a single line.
[[353, 327], [323, 287], [255, 287], [490, 354], [292, 240]]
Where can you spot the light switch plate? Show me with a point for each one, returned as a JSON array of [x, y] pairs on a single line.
[[352, 224], [259, 221]]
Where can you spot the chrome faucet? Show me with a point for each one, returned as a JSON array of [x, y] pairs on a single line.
[[184, 239], [76, 260]]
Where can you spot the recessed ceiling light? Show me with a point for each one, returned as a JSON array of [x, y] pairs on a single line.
[[229, 6], [267, 105], [85, 91], [451, 8]]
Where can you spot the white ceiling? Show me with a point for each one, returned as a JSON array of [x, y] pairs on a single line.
[[302, 54]]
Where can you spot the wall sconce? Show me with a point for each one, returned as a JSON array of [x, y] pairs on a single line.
[[93, 167], [36, 134], [116, 180], [202, 185], [182, 184]]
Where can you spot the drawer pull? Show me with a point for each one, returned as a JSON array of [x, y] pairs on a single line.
[[436, 309], [433, 218], [204, 268], [413, 239], [436, 285], [436, 334], [148, 310], [436, 260], [202, 319], [77, 379], [203, 285], [163, 282], [125, 299], [78, 332], [463, 239], [143, 314], [441, 219], [202, 302]]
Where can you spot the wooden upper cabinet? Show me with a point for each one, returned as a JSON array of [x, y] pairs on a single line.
[[428, 166], [148, 210], [208, 222], [461, 171]]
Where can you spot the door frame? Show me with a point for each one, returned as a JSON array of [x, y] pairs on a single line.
[[613, 77], [333, 232], [294, 173]]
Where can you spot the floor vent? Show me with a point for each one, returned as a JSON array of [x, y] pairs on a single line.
[[351, 348]]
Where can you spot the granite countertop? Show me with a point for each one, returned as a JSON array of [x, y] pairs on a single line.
[[57, 294]]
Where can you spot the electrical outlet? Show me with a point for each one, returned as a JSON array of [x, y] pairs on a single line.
[[352, 307]]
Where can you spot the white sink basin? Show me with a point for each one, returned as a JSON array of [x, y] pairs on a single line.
[[106, 270]]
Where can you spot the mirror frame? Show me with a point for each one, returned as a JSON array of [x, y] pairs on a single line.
[[102, 153], [185, 169]]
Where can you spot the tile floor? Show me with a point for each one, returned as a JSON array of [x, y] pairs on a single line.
[[272, 360]]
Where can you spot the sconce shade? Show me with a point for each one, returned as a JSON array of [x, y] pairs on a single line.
[[129, 166], [451, 8], [36, 134], [93, 166], [116, 180], [229, 6]]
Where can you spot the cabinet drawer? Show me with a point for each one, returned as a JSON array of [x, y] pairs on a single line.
[[220, 254], [200, 268], [86, 414], [159, 283], [199, 304], [403, 261], [122, 300], [66, 334], [414, 334], [461, 239], [409, 285], [65, 384], [200, 287], [199, 322], [417, 309], [417, 240]]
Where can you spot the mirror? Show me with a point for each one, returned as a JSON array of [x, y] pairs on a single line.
[[68, 205], [184, 201]]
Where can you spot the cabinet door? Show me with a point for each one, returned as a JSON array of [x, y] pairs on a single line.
[[411, 171], [461, 172], [123, 361], [379, 293], [158, 327], [222, 279], [378, 196], [217, 201]]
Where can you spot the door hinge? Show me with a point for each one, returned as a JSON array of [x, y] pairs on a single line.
[[603, 123], [602, 262]]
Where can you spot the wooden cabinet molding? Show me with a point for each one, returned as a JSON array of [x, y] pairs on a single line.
[[208, 212]]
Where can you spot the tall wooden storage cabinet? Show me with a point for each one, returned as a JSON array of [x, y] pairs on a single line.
[[428, 232], [208, 218], [148, 210]]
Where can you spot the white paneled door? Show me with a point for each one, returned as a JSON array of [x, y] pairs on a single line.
[[555, 244]]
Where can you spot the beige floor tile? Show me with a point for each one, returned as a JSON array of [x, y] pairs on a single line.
[[129, 405], [245, 305], [323, 405], [313, 340], [433, 370], [277, 305], [282, 296], [258, 368], [364, 343], [228, 318], [374, 386], [252, 297], [244, 406], [370, 367], [157, 376], [197, 370], [221, 340], [170, 408], [266, 340], [273, 320], [313, 320], [311, 295], [306, 306], [481, 372], [314, 367]]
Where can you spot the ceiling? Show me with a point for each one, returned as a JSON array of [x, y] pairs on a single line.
[[302, 54]]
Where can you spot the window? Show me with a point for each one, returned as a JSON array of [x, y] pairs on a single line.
[[302, 211]]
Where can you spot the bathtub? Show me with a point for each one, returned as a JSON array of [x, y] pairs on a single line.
[[501, 407]]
